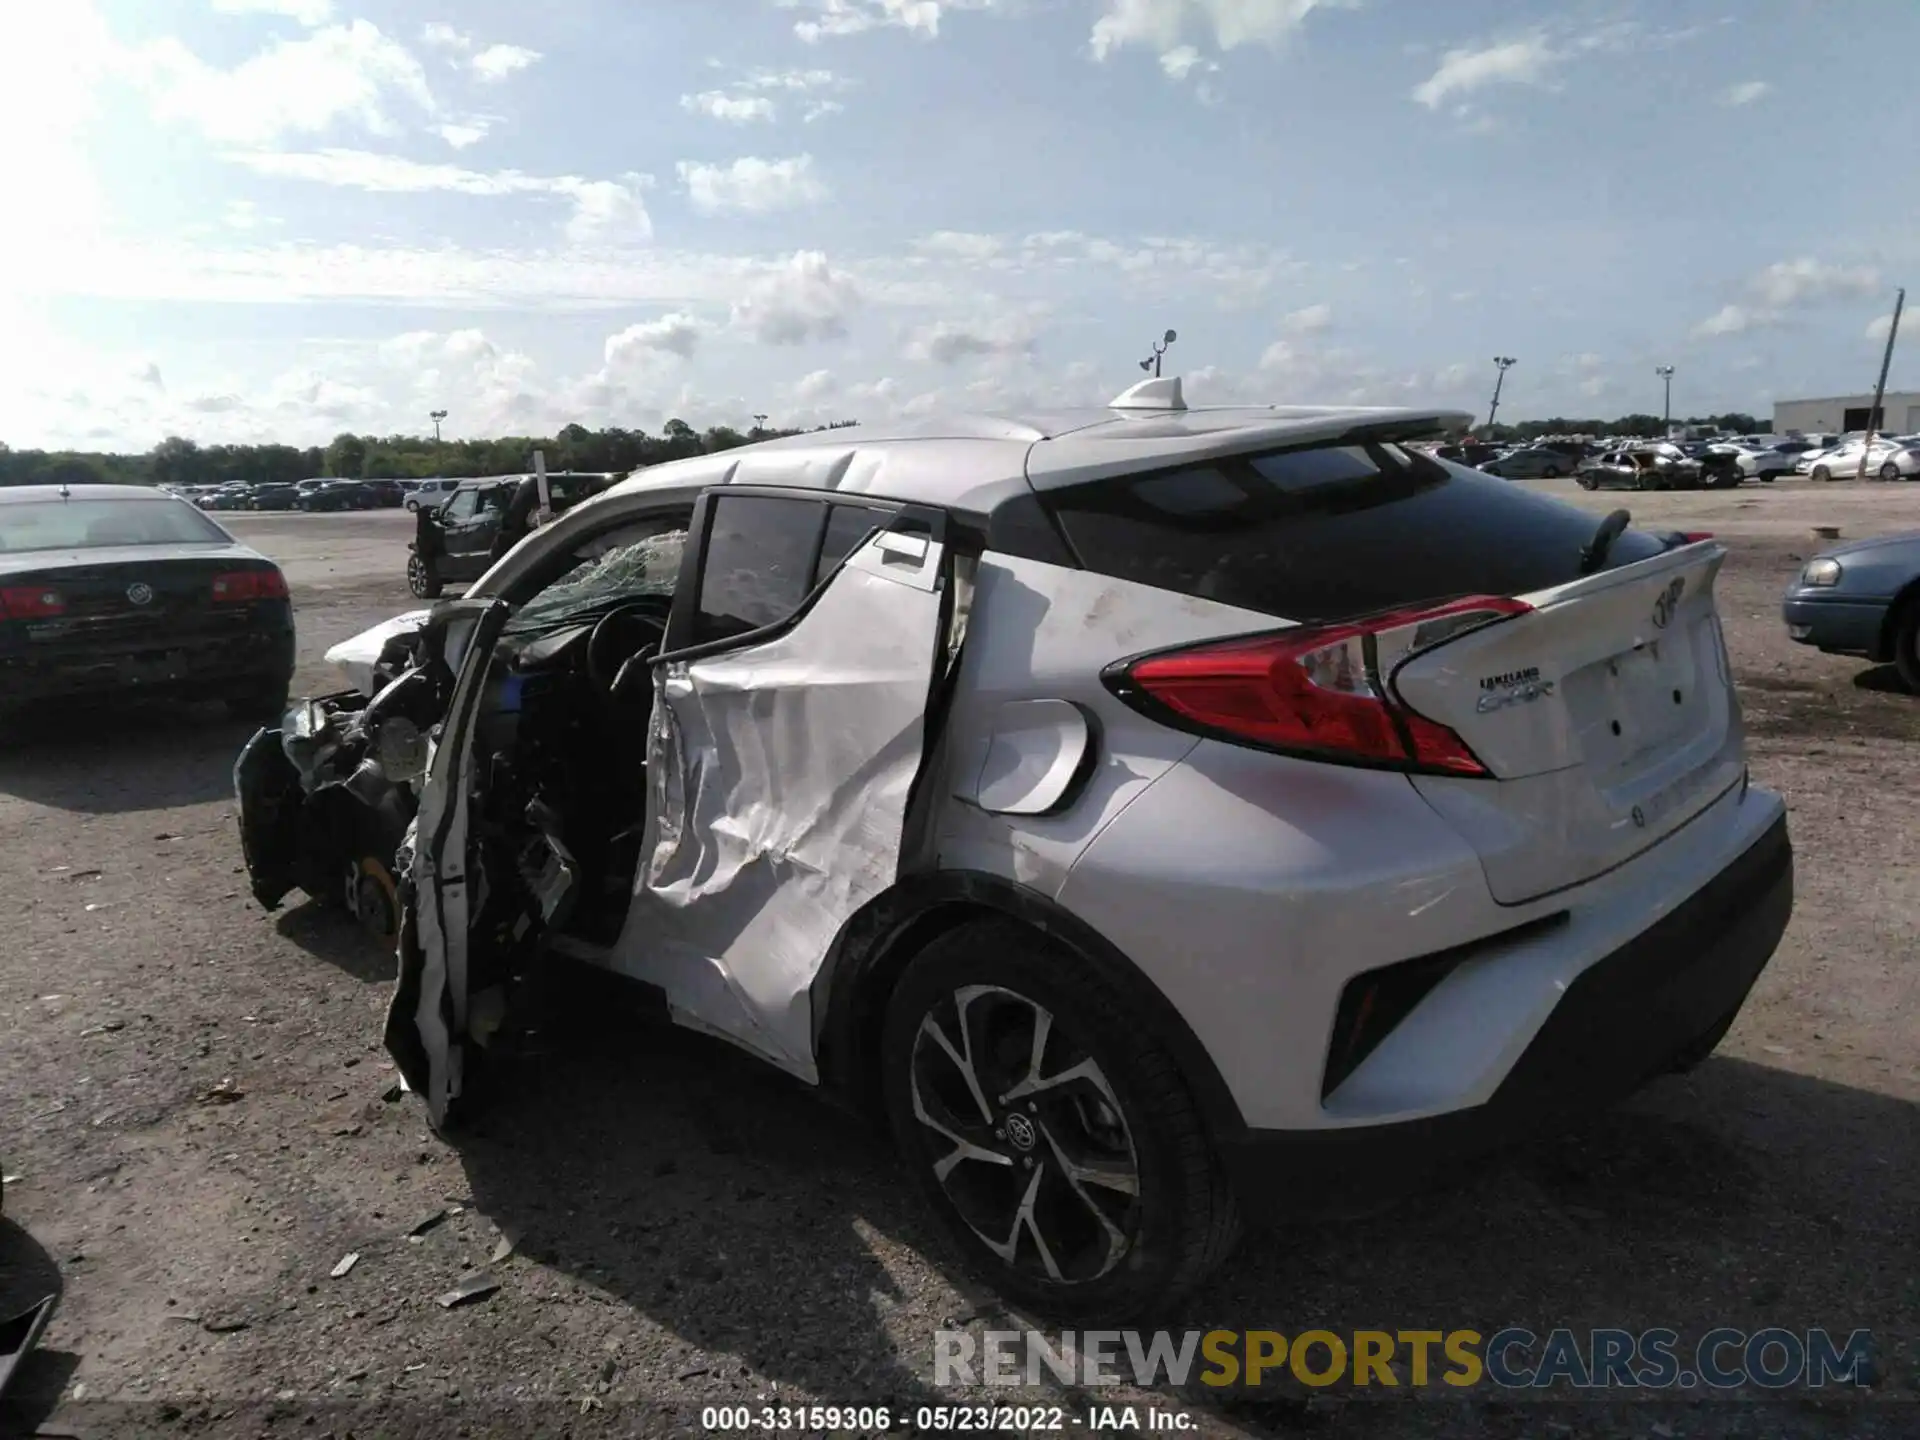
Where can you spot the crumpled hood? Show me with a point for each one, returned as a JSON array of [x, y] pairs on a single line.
[[357, 655]]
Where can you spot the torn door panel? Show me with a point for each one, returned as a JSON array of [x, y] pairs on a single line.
[[781, 774]]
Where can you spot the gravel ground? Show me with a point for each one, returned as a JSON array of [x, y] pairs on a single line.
[[200, 1125]]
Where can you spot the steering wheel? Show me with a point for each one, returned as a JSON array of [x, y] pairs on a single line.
[[621, 634]]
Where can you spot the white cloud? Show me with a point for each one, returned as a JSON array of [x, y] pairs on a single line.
[[751, 185], [757, 95], [1732, 320], [946, 344], [1880, 328], [959, 245], [1312, 320], [675, 334], [719, 105], [603, 209], [806, 299], [1806, 280], [1463, 71], [1771, 295], [824, 18], [815, 385], [1163, 25], [245, 215], [343, 74], [489, 63], [497, 62], [461, 134], [1744, 93], [1179, 61], [306, 12]]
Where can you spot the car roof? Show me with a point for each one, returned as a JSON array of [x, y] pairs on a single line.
[[10, 494], [972, 462]]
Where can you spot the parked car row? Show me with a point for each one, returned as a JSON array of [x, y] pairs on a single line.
[[318, 494], [1895, 457]]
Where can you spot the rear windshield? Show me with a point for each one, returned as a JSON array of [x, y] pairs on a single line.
[[1330, 533], [94, 524]]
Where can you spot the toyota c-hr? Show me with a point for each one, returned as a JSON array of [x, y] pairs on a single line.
[[1155, 814]]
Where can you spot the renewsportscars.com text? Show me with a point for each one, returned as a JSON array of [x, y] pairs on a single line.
[[1511, 1358]]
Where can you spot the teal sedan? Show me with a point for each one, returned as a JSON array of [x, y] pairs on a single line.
[[1861, 598]]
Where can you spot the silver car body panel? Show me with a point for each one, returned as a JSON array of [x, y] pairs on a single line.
[[779, 776]]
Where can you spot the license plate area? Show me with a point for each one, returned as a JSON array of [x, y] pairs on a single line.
[[1637, 701]]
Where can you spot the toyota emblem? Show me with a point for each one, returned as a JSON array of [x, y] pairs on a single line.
[[1021, 1132], [140, 593]]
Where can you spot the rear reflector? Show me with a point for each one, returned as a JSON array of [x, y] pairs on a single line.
[[1318, 691], [31, 602], [240, 585]]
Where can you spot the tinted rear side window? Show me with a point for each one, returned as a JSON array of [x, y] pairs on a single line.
[[759, 563], [1329, 533]]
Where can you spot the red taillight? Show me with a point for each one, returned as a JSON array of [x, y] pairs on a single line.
[[31, 602], [1694, 537], [1318, 690], [239, 585]]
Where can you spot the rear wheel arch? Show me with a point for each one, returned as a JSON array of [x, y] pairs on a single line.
[[850, 994]]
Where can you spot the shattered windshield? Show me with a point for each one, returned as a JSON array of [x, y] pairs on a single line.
[[608, 570]]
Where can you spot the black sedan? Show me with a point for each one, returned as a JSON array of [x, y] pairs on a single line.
[[1862, 598], [117, 590], [336, 495], [273, 496]]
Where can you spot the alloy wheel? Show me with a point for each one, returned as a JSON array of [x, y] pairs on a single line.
[[1030, 1144]]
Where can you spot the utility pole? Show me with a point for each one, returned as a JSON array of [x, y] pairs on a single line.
[[1665, 372], [1503, 362], [436, 416], [1880, 390], [1152, 362]]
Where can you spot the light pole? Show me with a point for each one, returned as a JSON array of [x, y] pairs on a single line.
[[1665, 372], [1502, 362], [759, 423], [1152, 362], [436, 416]]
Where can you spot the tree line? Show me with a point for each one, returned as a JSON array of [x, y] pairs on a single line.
[[177, 461], [1646, 427]]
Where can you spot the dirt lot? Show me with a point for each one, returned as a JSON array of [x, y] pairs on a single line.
[[197, 1128]]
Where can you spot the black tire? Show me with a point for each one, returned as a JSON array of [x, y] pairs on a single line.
[[1906, 643], [423, 578], [1588, 482], [1549, 472], [1821, 474], [1180, 1220], [262, 703], [1889, 471]]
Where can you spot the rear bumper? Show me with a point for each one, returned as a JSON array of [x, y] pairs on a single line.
[[1831, 622], [189, 666], [1628, 1018]]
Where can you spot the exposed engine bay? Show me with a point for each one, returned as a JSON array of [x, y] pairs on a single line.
[[557, 780]]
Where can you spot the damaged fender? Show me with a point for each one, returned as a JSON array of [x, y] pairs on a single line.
[[781, 772]]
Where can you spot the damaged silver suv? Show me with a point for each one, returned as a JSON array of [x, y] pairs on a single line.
[[1153, 813]]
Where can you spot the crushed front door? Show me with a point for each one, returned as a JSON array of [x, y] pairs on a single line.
[[780, 770], [428, 1024]]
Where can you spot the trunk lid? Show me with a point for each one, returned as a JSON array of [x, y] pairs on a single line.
[[1606, 715], [131, 595]]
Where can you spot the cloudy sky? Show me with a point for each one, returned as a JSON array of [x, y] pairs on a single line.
[[280, 219]]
